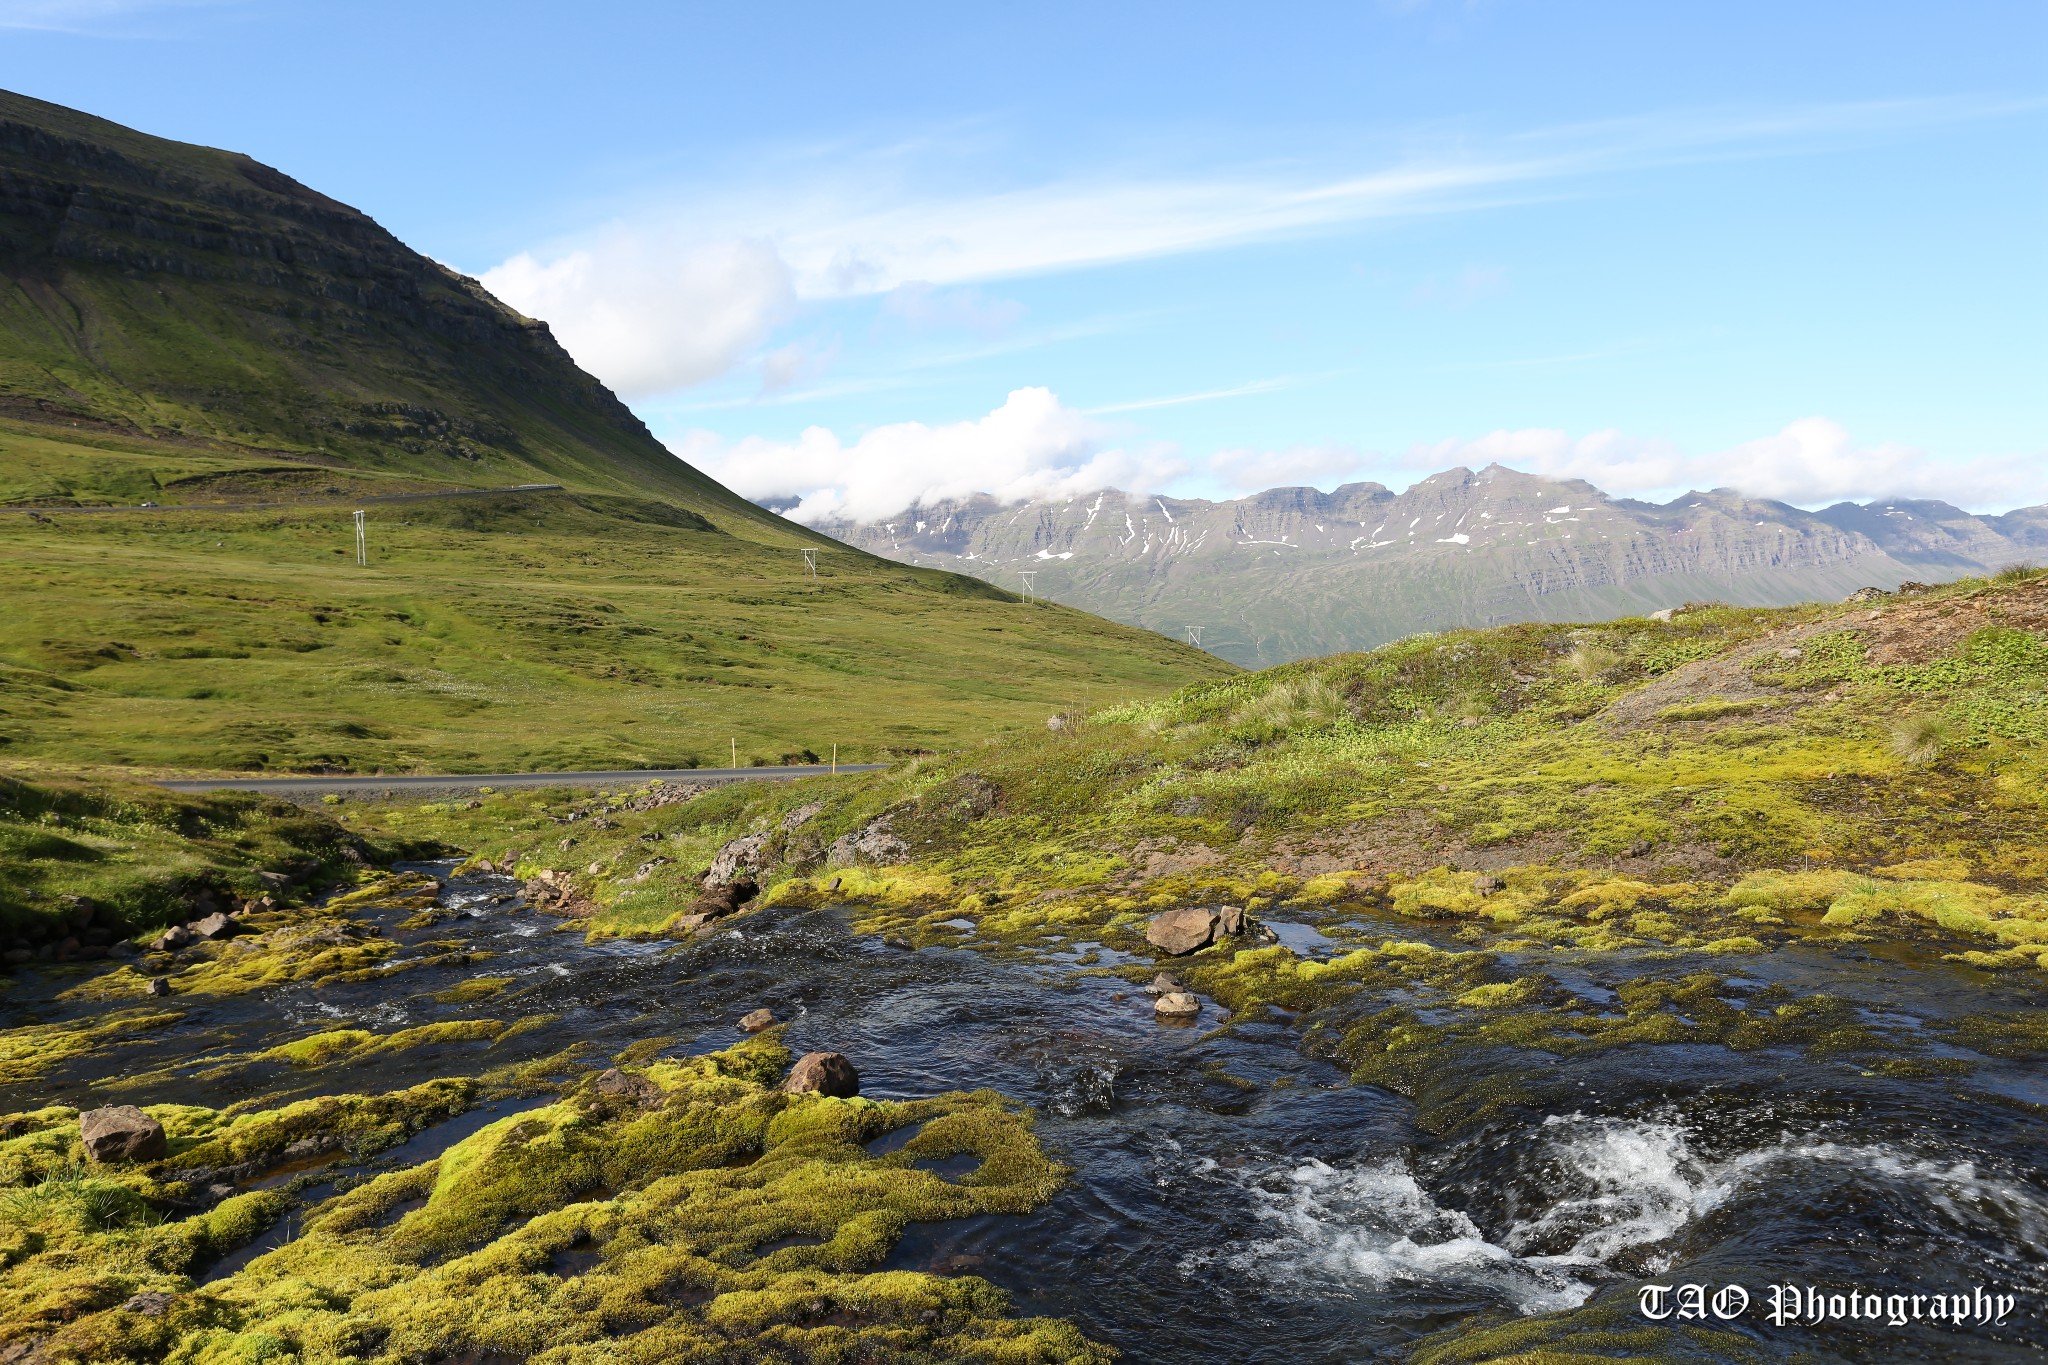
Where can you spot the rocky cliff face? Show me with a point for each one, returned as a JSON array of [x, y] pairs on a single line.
[[1294, 572], [182, 291]]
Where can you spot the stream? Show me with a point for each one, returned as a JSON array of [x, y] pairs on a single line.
[[1233, 1197]]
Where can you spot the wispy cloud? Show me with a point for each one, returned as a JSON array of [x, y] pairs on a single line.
[[1206, 396], [634, 301]]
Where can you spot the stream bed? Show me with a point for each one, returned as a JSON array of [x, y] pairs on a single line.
[[1234, 1196]]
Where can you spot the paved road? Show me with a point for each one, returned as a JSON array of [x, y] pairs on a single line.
[[303, 505], [414, 784]]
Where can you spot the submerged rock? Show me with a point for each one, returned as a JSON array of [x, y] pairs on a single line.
[[822, 1073], [121, 1132], [1183, 931], [1177, 1005], [1164, 984], [758, 1020]]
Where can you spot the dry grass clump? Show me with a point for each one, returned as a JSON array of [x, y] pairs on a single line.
[[1920, 740]]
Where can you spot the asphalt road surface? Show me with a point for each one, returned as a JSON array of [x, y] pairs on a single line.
[[415, 784]]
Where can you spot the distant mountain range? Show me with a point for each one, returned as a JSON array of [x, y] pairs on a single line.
[[1294, 572]]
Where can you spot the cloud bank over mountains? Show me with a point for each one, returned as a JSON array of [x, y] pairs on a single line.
[[1035, 447]]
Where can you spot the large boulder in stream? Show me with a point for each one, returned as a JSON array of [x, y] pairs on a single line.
[[822, 1073], [1183, 931], [121, 1132]]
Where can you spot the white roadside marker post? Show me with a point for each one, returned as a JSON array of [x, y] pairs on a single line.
[[362, 546]]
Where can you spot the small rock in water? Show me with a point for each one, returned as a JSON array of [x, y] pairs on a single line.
[[156, 985], [758, 1020], [1183, 931], [822, 1073], [486, 865], [1164, 984], [121, 1132], [1178, 1005]]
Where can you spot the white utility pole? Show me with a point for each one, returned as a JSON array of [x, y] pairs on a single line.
[[362, 546], [735, 751], [1030, 577]]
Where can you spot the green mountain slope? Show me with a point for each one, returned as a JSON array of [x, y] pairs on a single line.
[[153, 287]]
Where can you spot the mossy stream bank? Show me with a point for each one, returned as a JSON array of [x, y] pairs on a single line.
[[401, 1151]]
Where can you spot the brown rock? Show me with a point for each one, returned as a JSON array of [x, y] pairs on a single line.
[[173, 938], [626, 1086], [758, 1020], [822, 1073], [1230, 920], [215, 926], [1183, 931], [726, 899], [150, 1303], [1164, 983], [121, 1132], [1488, 884], [156, 985], [1177, 1005]]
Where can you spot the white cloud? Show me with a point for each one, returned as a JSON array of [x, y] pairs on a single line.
[[1034, 447], [1237, 472], [1030, 447], [1810, 463], [649, 316]]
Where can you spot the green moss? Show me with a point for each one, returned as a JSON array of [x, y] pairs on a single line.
[[711, 1214], [33, 1050]]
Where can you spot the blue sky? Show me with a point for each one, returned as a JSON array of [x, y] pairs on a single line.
[[863, 255]]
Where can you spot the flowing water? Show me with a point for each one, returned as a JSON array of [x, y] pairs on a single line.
[[1234, 1198]]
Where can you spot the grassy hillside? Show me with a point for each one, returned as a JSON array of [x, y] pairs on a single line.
[[533, 631], [1729, 781]]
